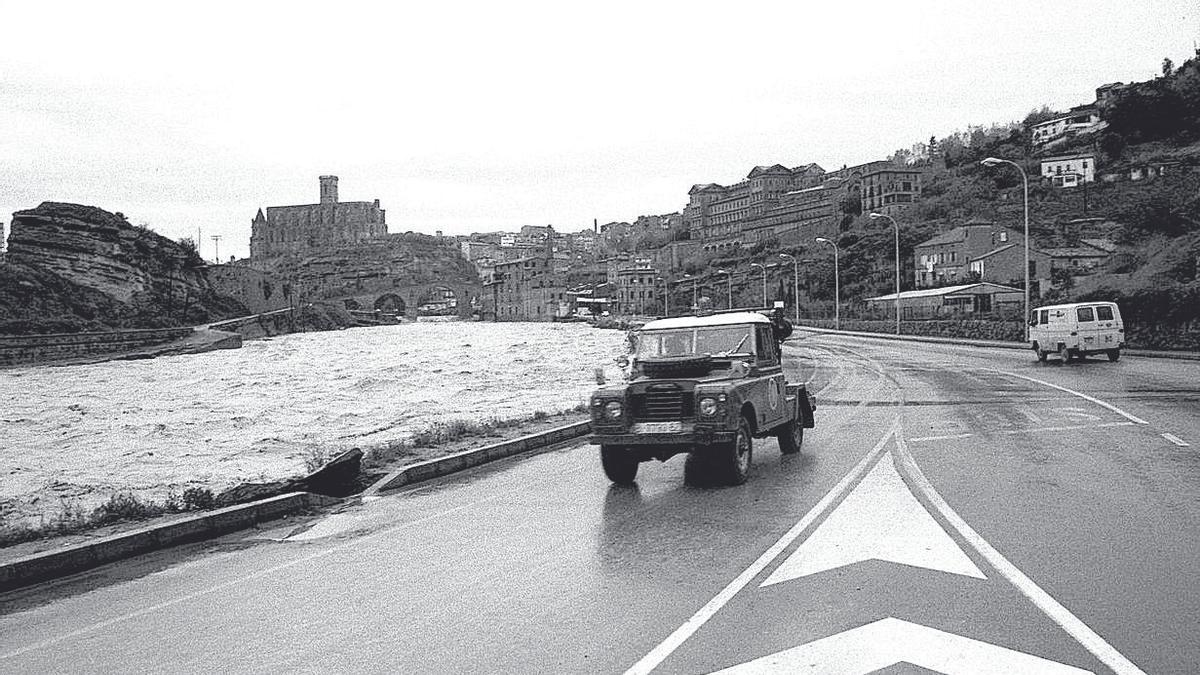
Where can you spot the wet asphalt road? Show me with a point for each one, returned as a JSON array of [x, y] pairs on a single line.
[[955, 510]]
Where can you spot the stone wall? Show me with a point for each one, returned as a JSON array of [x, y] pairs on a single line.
[[259, 291], [22, 349]]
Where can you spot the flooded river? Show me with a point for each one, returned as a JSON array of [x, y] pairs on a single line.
[[70, 437]]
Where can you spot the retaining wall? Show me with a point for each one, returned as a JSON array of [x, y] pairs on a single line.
[[19, 349]]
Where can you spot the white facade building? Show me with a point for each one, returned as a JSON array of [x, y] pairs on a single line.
[[1069, 170]]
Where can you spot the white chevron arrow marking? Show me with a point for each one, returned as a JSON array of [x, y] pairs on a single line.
[[890, 641], [879, 520]]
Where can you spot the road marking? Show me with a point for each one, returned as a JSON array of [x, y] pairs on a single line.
[[664, 649], [1102, 404], [940, 438], [1080, 427], [1176, 440], [879, 520], [890, 641], [1060, 615]]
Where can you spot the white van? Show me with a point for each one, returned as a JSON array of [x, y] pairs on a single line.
[[1077, 330]]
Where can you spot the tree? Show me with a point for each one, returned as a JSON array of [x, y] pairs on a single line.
[[1168, 67]]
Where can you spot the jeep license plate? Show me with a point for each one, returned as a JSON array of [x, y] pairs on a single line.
[[657, 427]]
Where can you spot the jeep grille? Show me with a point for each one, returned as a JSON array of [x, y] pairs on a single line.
[[663, 406]]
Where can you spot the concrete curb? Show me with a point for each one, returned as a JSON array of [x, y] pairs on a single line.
[[52, 564], [434, 468], [1149, 353]]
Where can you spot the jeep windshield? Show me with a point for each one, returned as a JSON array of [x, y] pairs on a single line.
[[701, 341]]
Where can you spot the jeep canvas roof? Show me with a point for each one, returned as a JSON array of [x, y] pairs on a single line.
[[729, 319]]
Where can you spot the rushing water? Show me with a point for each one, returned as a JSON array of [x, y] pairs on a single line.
[[73, 436]]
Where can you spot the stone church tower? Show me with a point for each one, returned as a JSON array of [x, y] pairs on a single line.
[[294, 230]]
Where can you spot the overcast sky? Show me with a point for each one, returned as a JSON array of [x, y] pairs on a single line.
[[465, 116]]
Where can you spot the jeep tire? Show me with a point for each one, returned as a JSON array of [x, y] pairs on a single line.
[[732, 460], [619, 465], [791, 436]]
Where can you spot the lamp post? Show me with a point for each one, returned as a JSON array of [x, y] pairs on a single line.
[[764, 271], [729, 287], [877, 216], [695, 300], [795, 282], [837, 305], [993, 161]]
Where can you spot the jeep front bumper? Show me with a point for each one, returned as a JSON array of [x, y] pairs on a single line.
[[689, 435]]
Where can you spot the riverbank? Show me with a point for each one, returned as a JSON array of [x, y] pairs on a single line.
[[437, 442]]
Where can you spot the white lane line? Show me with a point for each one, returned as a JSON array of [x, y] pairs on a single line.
[[1102, 404], [939, 438], [523, 488], [1080, 427], [1176, 440], [1060, 615], [657, 655]]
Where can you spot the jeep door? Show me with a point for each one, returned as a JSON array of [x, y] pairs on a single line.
[[769, 398]]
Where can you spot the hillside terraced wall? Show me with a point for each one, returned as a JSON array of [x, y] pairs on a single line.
[[23, 349]]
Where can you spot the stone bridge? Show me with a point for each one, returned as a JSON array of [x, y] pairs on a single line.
[[405, 301]]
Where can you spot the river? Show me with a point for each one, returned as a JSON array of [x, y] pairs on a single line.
[[72, 436]]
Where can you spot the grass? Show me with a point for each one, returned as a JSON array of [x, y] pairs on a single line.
[[120, 507], [441, 433]]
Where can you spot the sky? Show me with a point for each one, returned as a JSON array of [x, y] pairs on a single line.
[[483, 116]]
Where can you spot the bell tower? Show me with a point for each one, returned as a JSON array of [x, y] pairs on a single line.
[[329, 193]]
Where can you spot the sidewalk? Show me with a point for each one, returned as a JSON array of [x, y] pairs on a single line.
[[995, 344]]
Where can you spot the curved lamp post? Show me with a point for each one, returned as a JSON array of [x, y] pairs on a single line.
[[994, 161], [837, 305], [795, 282], [729, 287], [877, 216], [764, 271]]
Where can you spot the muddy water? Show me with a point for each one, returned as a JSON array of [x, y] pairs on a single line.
[[70, 437]]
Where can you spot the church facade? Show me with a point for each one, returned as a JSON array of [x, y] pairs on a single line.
[[293, 230]]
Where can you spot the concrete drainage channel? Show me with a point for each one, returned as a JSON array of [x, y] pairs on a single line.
[[80, 557]]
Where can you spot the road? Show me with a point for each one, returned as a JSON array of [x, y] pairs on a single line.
[[956, 509]]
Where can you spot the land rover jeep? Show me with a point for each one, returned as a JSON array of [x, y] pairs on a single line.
[[706, 386]]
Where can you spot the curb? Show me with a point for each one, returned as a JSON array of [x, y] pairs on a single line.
[[80, 557], [442, 466], [1148, 353]]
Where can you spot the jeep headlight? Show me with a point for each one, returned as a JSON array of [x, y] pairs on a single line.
[[613, 410], [708, 406]]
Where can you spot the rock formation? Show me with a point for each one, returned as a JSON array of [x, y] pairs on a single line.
[[80, 267]]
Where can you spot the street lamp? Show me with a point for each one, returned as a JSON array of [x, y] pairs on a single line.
[[795, 282], [837, 320], [877, 216], [993, 161], [694, 300], [764, 271], [729, 288]]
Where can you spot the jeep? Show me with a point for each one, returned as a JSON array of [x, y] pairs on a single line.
[[702, 385]]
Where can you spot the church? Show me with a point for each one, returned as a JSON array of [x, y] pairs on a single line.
[[294, 230]]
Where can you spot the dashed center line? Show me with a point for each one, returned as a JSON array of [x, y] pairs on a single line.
[[1176, 440]]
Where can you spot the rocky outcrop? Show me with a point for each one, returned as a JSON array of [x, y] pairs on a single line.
[[84, 263]]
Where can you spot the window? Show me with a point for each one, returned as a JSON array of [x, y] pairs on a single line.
[[1085, 314], [1104, 313], [1045, 316]]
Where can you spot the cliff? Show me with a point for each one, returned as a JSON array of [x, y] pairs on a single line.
[[73, 267]]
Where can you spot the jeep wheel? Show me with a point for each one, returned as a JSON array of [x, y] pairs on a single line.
[[733, 460], [619, 466], [791, 436], [1114, 354], [697, 471]]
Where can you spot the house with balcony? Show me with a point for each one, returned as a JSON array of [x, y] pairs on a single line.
[[1069, 170]]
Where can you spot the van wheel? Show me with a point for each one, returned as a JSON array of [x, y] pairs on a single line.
[[1041, 355], [1064, 353], [1114, 354], [620, 467]]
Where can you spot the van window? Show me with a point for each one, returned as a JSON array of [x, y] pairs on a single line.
[[1086, 314], [1104, 313], [1045, 313]]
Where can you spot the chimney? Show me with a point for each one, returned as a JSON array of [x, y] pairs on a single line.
[[329, 190]]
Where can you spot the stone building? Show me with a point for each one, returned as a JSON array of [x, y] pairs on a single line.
[[291, 230]]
